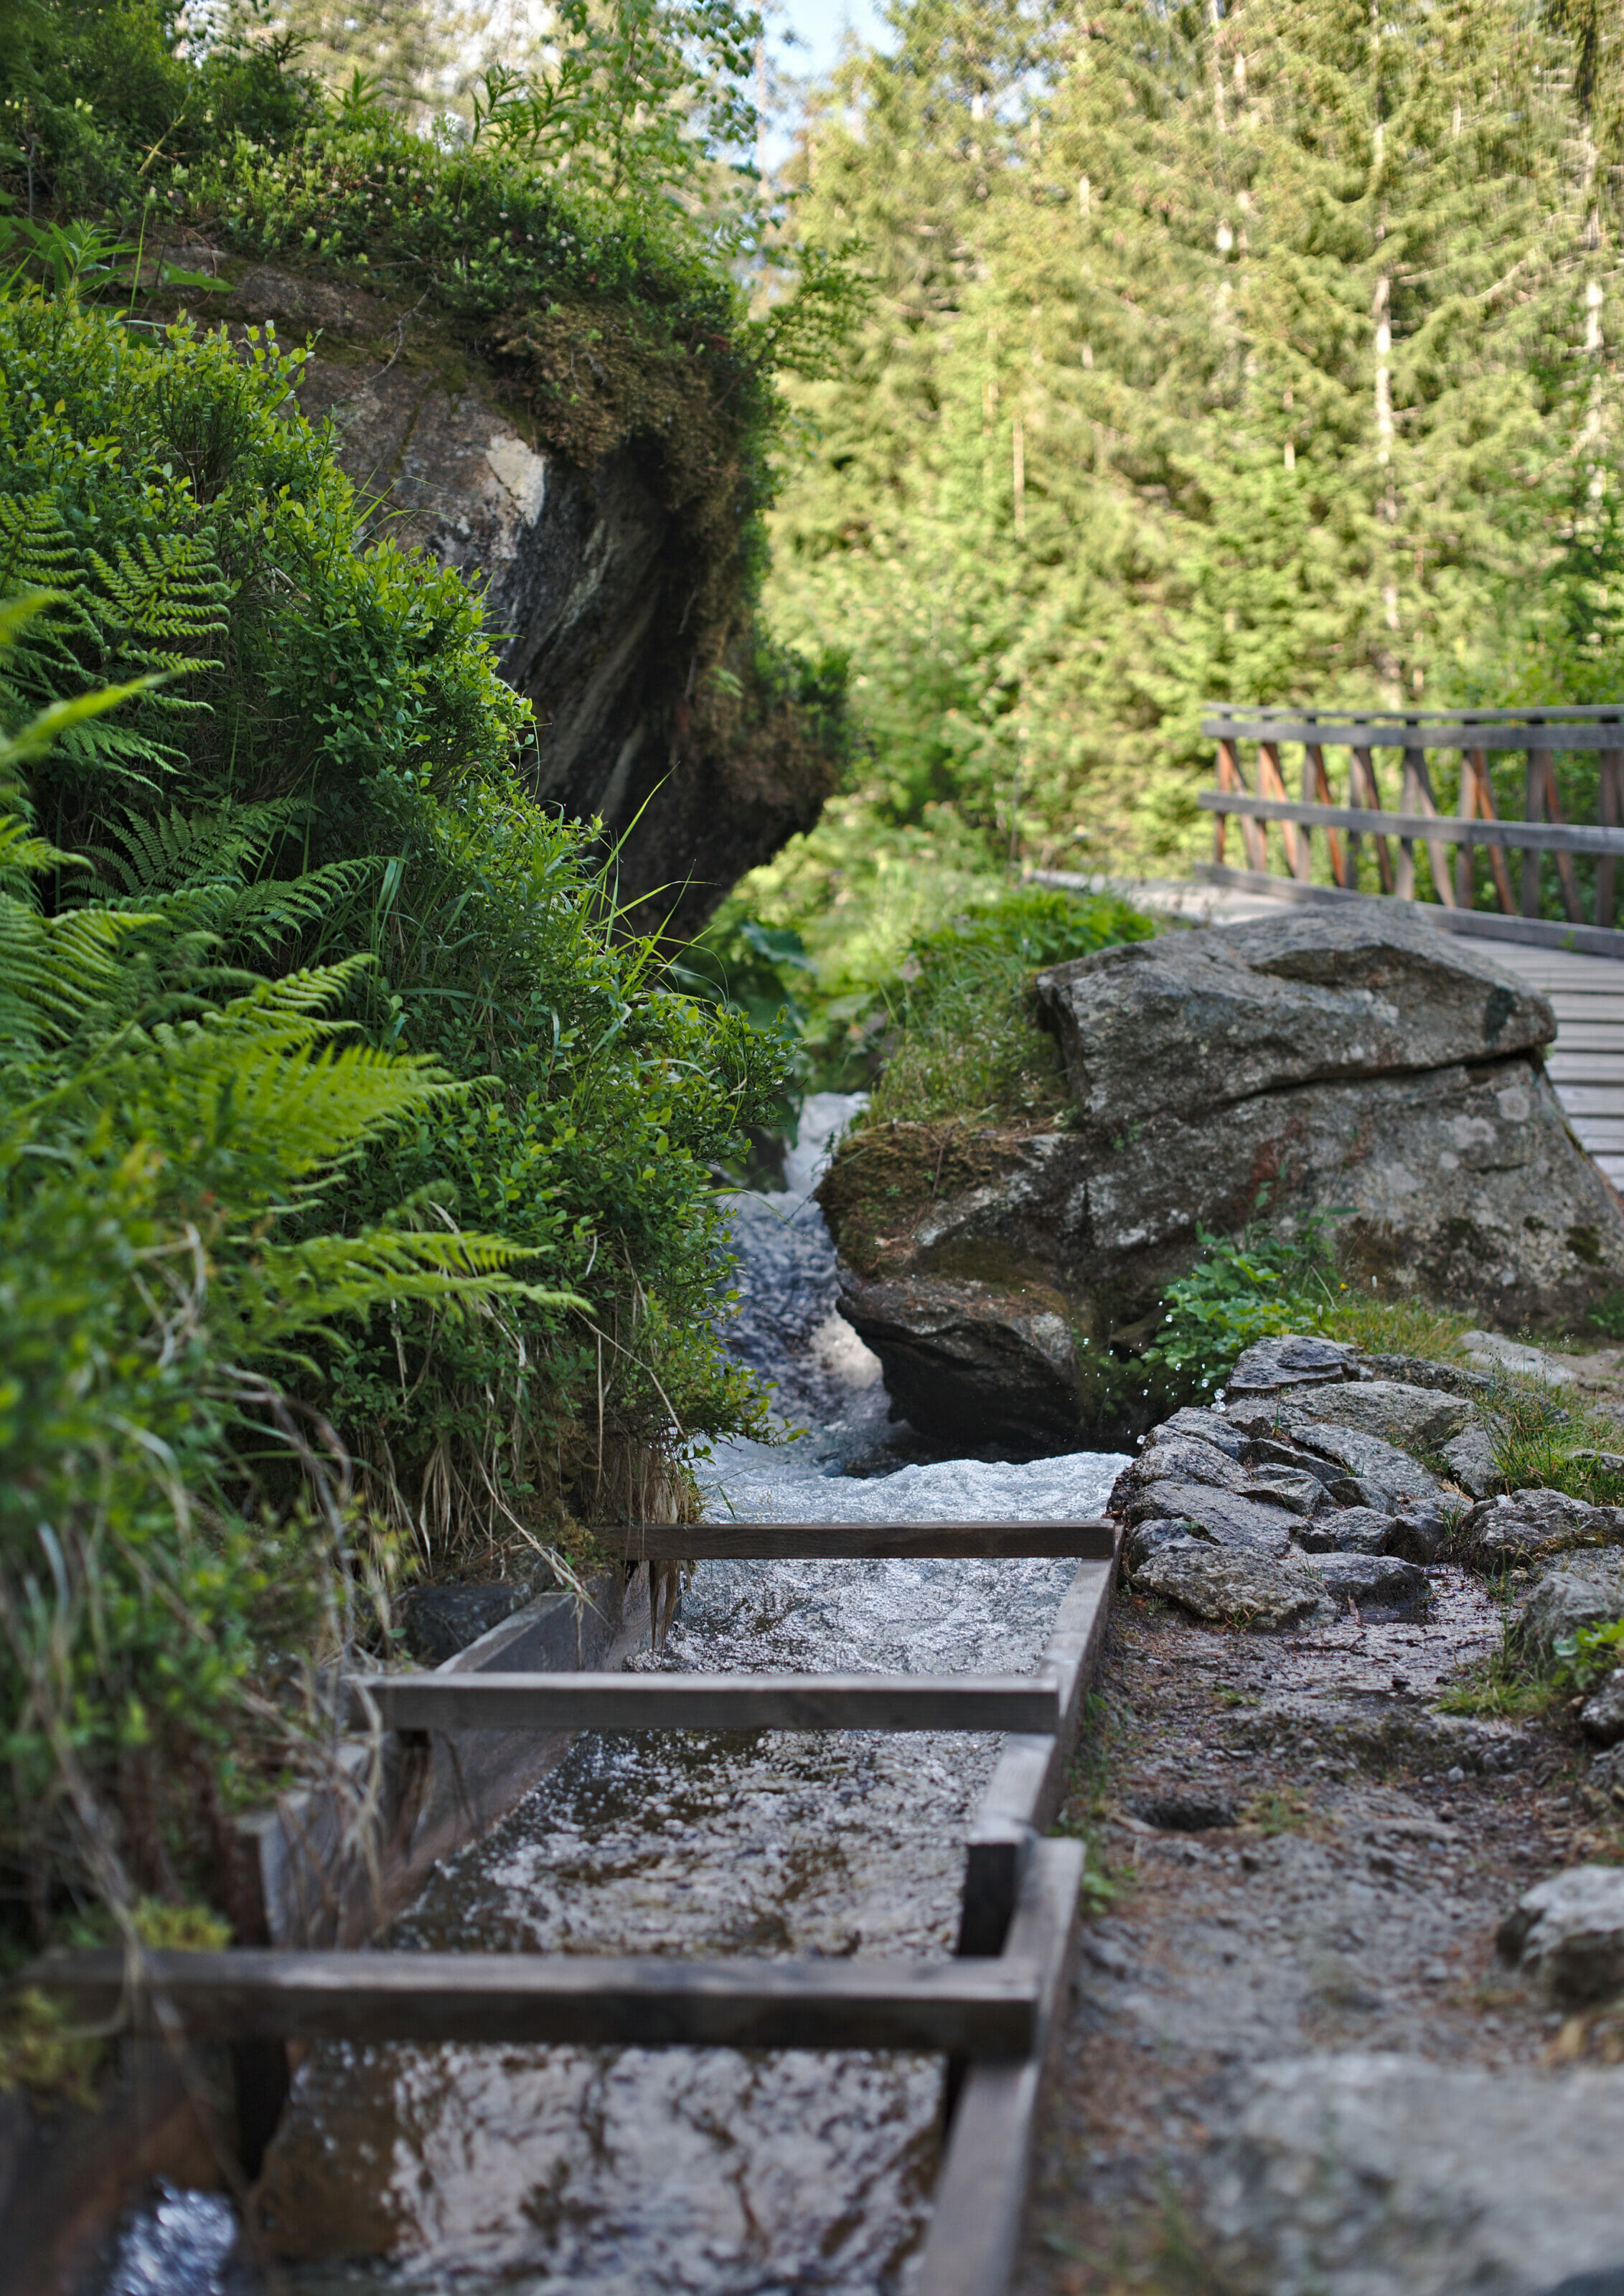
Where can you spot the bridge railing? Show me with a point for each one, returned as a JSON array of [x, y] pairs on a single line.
[[1540, 736]]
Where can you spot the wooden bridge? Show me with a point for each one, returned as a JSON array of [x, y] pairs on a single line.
[[1370, 851]]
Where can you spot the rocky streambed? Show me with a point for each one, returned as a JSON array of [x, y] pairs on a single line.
[[1345, 2019]]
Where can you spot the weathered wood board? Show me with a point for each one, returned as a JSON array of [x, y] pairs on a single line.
[[706, 1701]]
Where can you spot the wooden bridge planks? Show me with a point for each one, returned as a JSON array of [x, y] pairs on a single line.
[[1587, 1062], [706, 1701], [975, 2009]]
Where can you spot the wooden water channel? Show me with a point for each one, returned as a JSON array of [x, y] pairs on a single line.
[[1577, 964], [990, 2009]]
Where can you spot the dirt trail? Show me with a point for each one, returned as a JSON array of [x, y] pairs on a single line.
[[1351, 1905]]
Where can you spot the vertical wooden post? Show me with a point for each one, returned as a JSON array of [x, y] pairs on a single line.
[[1418, 798], [1533, 809], [1270, 783], [1567, 881], [1230, 777], [1316, 791], [1465, 810], [1362, 774], [1483, 792], [1609, 814]]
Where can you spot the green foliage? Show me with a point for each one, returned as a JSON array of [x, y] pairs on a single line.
[[1547, 1439], [1261, 356], [1258, 1285], [967, 1039], [1586, 1657]]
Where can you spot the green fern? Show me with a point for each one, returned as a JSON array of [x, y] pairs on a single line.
[[163, 599]]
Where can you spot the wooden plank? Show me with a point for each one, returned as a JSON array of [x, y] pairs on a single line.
[[1253, 839], [1536, 836], [1605, 1099], [1298, 855], [1567, 1063], [1028, 1778], [695, 1542], [1565, 878], [1372, 734], [977, 2009], [706, 1701], [1419, 797], [982, 2187], [1365, 796], [1278, 715]]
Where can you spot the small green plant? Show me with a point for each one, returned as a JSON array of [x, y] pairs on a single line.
[[1269, 1814], [1547, 1439], [1243, 1289], [1587, 1656], [1505, 1686]]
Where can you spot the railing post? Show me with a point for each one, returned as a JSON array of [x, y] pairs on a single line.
[[1609, 815], [1316, 791], [1533, 809], [1566, 878], [1230, 777], [1299, 857], [1362, 774], [1418, 798]]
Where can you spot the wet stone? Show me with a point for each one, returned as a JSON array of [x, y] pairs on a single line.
[[1187, 1813], [1296, 1361], [1602, 1717], [1379, 1586], [1178, 1458], [1214, 1427], [1291, 1487], [1586, 1590], [1470, 1461], [1221, 1515], [1374, 1473], [1413, 1418], [1568, 1934], [1349, 1530], [1502, 1531], [1235, 1584]]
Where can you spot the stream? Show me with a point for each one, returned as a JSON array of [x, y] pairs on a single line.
[[481, 2170]]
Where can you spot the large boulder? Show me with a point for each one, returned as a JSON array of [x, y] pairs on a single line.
[[1301, 999], [1367, 1070], [591, 574]]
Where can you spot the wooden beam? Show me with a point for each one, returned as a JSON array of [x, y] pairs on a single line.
[[1533, 810], [1418, 798], [1536, 836], [979, 2009], [974, 2230], [1468, 732], [1316, 787], [1270, 783], [1363, 792], [1230, 777], [704, 1701], [695, 1542], [1565, 877], [1028, 1783]]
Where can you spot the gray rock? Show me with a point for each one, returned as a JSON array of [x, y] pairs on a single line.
[[1494, 1352], [1291, 1487], [1185, 1813], [1412, 1418], [1178, 1025], [1499, 1532], [1170, 1458], [1349, 1530], [1392, 2176], [1383, 1585], [1602, 1716], [1212, 1427], [1586, 1591], [972, 1362], [1568, 1934], [1295, 1359], [1144, 1538], [1422, 1371], [1470, 1461], [1267, 1451], [1420, 1533], [1235, 1584], [1605, 1781], [438, 1621], [1222, 1516], [586, 571], [1374, 1473]]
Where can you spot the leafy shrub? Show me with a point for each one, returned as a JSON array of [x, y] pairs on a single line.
[[1258, 1285], [967, 1041], [347, 723], [1588, 1655], [169, 1156]]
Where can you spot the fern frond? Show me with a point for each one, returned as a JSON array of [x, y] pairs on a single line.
[[292, 1288], [164, 599], [160, 852]]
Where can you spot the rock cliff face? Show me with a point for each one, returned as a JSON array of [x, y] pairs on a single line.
[[1369, 1069], [588, 588]]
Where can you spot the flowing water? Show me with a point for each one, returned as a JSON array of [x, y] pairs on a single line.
[[616, 2171]]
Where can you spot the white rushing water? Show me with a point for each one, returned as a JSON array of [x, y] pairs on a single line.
[[622, 2171]]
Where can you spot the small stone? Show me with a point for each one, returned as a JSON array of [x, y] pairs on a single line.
[[1602, 1717], [1287, 1486], [1379, 1586], [1296, 1359], [1221, 1515], [1470, 1461], [1212, 1427], [1176, 1458], [1526, 1525], [1350, 1530], [1421, 1534], [1232, 1583], [1374, 1473], [1413, 1418], [1568, 1933], [1582, 1590], [1494, 1352]]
